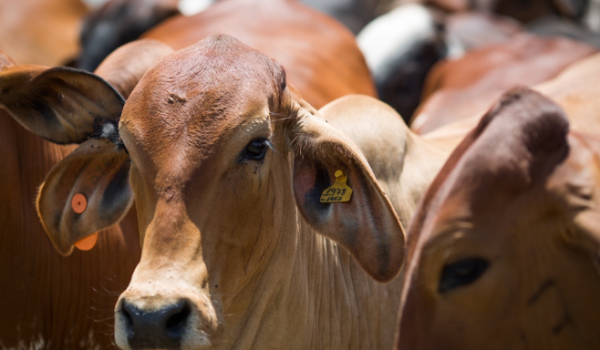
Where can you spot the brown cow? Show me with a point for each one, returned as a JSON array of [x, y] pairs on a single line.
[[457, 90], [47, 301], [574, 89], [322, 57], [40, 31], [228, 165], [504, 247]]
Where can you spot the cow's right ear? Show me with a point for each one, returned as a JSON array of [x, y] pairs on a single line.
[[86, 192], [62, 105]]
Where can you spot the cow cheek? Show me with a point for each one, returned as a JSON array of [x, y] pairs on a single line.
[[229, 214], [145, 203], [477, 311]]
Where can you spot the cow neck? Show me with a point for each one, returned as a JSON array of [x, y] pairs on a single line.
[[342, 301], [322, 299], [311, 293], [423, 159]]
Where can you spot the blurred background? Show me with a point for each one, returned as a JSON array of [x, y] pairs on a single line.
[[402, 40]]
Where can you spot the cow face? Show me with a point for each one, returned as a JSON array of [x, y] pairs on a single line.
[[208, 158], [227, 165], [500, 258]]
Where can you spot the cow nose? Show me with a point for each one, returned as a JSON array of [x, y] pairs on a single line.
[[156, 329]]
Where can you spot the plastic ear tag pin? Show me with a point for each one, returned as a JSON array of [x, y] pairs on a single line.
[[339, 192], [79, 203], [88, 242]]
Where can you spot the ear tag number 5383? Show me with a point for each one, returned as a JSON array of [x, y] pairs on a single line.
[[339, 192]]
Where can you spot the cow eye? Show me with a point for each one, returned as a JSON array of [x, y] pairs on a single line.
[[461, 273], [256, 149]]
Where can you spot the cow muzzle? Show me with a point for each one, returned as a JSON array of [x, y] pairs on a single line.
[[162, 328], [160, 322]]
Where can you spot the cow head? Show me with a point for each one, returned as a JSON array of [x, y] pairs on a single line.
[[227, 165], [504, 247]]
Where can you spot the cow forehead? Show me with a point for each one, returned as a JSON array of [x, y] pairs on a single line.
[[215, 76], [186, 101]]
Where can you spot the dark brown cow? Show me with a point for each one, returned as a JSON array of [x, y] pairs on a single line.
[[460, 89], [503, 249], [228, 165], [116, 23], [48, 301], [523, 11], [401, 47]]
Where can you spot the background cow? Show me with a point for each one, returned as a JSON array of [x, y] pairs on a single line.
[[49, 301], [321, 56], [573, 90], [503, 249], [40, 31], [116, 23], [459, 89]]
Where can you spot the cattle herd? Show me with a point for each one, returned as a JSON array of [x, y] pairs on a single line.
[[300, 174]]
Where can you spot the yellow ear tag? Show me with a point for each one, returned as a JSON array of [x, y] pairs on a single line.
[[339, 192], [88, 242]]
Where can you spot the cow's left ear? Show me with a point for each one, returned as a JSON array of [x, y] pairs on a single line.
[[366, 225], [62, 105], [85, 192]]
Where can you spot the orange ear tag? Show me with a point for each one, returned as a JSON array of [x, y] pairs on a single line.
[[88, 242], [339, 192], [79, 203]]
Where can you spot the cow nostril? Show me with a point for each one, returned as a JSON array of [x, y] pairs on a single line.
[[161, 328], [128, 321], [176, 323]]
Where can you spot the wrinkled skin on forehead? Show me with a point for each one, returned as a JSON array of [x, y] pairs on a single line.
[[503, 249]]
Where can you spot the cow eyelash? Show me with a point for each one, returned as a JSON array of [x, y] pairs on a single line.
[[461, 273], [256, 149]]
